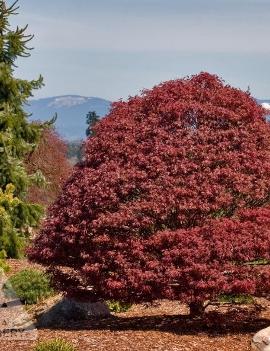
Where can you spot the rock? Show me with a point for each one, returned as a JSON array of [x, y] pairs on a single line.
[[68, 309], [15, 323], [261, 340]]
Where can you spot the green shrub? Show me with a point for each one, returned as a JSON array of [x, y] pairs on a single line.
[[54, 345], [118, 306], [236, 298], [30, 285], [3, 263]]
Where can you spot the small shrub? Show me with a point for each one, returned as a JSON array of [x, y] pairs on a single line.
[[3, 263], [54, 345], [236, 299], [30, 285], [118, 306]]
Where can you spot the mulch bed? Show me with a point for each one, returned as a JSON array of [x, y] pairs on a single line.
[[165, 326]]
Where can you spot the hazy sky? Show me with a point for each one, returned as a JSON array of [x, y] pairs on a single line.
[[115, 48]]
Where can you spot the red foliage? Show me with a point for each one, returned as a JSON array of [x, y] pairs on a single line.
[[49, 158], [170, 202]]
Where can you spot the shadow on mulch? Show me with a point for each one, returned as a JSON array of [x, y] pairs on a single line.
[[212, 323]]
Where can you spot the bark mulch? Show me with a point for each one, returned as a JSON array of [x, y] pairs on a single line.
[[164, 326]]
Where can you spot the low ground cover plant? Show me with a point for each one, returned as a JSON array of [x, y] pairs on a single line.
[[118, 306], [238, 299]]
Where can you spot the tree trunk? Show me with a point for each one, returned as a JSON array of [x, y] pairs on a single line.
[[196, 309]]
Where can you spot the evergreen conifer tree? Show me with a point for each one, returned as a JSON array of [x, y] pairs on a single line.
[[91, 119], [18, 138]]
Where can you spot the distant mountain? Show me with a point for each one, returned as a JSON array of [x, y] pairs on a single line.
[[72, 109], [71, 112], [265, 104]]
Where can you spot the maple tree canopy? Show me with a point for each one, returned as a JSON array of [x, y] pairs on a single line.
[[171, 200]]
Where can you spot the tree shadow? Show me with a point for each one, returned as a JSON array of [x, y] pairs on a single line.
[[235, 321]]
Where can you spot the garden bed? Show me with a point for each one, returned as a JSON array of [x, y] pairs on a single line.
[[162, 326]]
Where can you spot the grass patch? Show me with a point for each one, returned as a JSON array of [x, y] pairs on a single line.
[[54, 345]]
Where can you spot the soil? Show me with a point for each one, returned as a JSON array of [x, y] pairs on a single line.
[[163, 326]]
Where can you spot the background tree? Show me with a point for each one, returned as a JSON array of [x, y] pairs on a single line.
[[18, 137], [50, 159], [75, 151], [171, 201], [91, 119]]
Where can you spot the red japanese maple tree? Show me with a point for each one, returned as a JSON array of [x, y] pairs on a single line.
[[171, 200]]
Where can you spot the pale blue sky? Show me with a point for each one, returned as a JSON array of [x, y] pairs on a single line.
[[115, 48]]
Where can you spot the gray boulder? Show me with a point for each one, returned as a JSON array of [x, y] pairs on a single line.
[[261, 340], [68, 309]]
